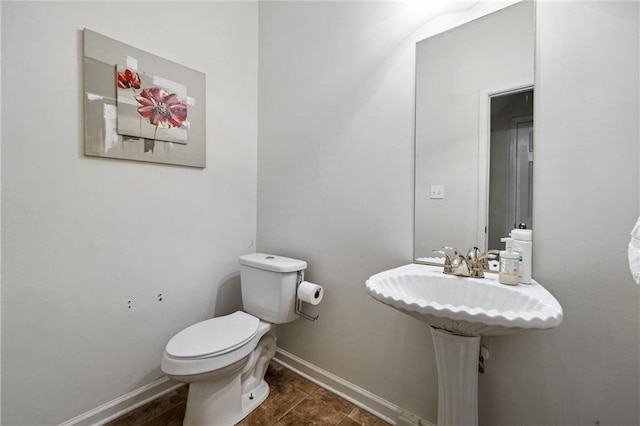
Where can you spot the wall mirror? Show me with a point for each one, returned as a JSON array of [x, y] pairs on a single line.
[[474, 132]]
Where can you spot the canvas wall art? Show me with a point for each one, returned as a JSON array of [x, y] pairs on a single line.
[[138, 106]]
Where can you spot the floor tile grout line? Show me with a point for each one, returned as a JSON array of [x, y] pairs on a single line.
[[292, 407]]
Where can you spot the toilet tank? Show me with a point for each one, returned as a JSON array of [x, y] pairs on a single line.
[[269, 285]]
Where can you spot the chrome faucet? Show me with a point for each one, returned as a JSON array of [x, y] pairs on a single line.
[[471, 265]]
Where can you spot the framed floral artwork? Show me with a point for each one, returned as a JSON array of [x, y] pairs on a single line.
[[138, 106]]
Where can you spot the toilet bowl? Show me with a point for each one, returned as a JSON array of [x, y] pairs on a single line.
[[224, 359], [226, 374]]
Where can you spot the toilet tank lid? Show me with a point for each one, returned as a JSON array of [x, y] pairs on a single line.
[[270, 262]]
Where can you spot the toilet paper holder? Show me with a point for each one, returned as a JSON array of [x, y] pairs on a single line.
[[298, 309]]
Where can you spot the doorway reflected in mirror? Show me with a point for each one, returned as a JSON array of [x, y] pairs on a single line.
[[510, 164]]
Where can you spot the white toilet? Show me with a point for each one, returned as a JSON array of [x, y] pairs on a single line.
[[225, 358]]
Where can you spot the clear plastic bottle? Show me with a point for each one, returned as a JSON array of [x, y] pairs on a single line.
[[509, 267]]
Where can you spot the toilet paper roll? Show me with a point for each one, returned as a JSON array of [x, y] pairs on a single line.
[[310, 292]]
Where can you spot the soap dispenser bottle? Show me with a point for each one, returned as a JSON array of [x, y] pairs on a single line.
[[521, 242], [508, 243]]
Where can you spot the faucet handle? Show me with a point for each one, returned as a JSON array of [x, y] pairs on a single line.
[[489, 255], [447, 259], [447, 256], [453, 250], [473, 254]]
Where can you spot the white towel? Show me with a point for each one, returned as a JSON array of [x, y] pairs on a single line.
[[634, 252]]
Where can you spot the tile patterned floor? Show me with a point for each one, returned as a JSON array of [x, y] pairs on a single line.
[[292, 401]]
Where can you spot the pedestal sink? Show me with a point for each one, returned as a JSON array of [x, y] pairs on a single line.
[[460, 311]]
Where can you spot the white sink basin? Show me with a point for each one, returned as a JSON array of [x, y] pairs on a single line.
[[465, 306]]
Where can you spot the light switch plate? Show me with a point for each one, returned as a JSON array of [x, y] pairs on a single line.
[[437, 192]]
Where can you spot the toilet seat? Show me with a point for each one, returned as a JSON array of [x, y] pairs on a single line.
[[185, 368], [213, 337]]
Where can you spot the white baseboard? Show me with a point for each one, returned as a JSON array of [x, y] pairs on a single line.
[[362, 398], [124, 404], [358, 396]]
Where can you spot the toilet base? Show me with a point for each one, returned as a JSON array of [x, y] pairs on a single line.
[[251, 400], [229, 398], [216, 404]]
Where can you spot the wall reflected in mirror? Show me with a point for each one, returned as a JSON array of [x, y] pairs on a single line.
[[471, 187]]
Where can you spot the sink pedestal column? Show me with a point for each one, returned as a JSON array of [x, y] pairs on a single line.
[[457, 362]]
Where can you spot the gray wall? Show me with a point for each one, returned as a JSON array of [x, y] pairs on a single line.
[[335, 184], [585, 204], [335, 188], [81, 236]]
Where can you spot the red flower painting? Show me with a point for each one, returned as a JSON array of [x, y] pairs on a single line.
[[128, 79], [151, 107], [161, 108]]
